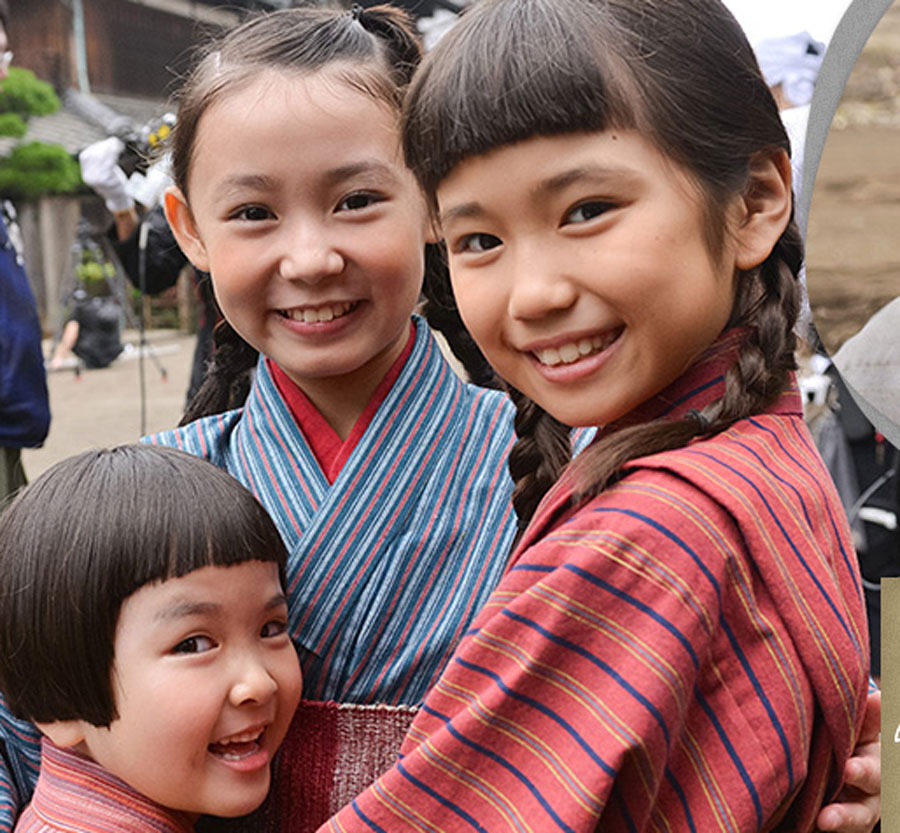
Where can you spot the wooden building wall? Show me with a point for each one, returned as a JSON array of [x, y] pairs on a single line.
[[132, 49], [137, 50]]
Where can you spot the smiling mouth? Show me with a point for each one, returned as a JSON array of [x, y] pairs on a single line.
[[576, 350], [319, 315], [238, 747]]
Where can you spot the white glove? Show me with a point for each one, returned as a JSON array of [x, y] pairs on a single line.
[[148, 188], [100, 170]]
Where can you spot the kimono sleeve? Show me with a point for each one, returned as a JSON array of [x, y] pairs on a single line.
[[20, 755], [562, 709]]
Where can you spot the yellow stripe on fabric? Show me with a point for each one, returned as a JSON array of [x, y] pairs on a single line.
[[551, 760], [479, 785], [711, 789], [627, 639], [833, 658], [733, 562], [400, 808], [631, 556]]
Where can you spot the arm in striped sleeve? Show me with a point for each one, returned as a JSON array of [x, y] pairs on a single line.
[[20, 755], [629, 672]]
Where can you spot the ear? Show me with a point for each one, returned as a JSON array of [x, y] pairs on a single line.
[[181, 221], [64, 733], [766, 208]]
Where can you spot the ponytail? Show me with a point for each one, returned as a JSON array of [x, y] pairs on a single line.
[[396, 31]]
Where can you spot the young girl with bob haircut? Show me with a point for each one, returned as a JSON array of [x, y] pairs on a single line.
[[385, 475], [679, 641], [143, 628]]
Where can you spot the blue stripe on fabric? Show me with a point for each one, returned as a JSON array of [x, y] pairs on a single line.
[[671, 536], [815, 579], [366, 820], [450, 805], [545, 710], [692, 393], [619, 800], [595, 660], [771, 471], [732, 753], [773, 717], [850, 566], [679, 791], [646, 609], [490, 754]]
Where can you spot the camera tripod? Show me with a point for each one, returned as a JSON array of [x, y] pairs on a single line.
[[101, 251]]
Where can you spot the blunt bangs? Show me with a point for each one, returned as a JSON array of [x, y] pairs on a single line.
[[511, 71], [81, 539]]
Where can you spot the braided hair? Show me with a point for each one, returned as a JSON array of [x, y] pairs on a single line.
[[681, 73], [377, 50]]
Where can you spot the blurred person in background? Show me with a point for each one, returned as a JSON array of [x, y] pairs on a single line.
[[24, 405]]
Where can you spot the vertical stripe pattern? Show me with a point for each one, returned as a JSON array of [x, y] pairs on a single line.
[[687, 651]]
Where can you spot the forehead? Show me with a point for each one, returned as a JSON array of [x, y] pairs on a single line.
[[292, 127], [309, 100]]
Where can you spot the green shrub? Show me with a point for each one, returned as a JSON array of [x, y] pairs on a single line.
[[25, 95], [12, 124], [37, 168]]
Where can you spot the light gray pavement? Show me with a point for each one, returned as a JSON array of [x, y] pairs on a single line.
[[103, 407]]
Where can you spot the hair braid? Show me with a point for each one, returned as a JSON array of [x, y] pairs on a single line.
[[770, 303], [440, 310], [542, 450], [228, 377]]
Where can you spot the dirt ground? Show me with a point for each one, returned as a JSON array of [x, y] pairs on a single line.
[[853, 261], [103, 407]]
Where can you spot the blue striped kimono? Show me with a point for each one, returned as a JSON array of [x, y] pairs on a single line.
[[388, 564]]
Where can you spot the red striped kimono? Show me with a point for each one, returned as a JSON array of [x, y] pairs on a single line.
[[685, 652], [75, 794]]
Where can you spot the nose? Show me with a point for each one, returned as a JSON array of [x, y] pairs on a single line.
[[308, 252], [252, 683], [539, 285]]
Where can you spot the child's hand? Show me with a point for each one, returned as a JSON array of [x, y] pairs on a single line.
[[858, 805]]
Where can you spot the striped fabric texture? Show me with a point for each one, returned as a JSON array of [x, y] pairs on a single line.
[[76, 795], [387, 565], [685, 652]]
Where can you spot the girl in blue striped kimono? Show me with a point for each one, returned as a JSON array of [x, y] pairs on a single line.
[[385, 474]]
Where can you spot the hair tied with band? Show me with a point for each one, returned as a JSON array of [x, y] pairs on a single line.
[[702, 421], [356, 11]]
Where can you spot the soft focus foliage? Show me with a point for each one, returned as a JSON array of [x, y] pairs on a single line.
[[36, 168]]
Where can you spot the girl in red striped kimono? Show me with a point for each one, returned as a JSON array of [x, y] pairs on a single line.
[[679, 641], [384, 473]]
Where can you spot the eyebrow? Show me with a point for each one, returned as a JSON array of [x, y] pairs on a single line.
[[345, 172], [548, 187], [182, 610], [333, 176]]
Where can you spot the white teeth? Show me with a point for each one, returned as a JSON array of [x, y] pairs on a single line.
[[569, 352], [549, 356], [245, 737], [315, 315], [573, 351]]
